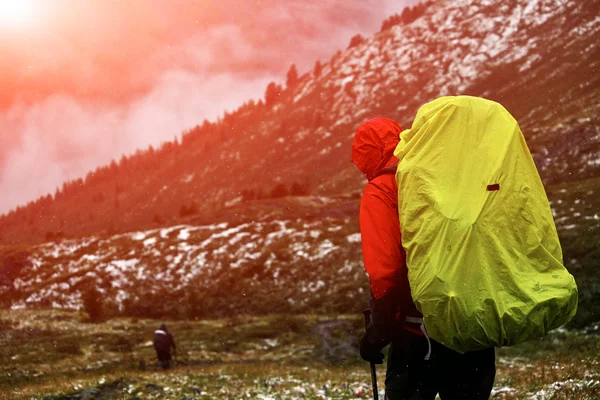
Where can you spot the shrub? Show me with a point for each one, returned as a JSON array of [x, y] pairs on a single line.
[[391, 21], [92, 303], [355, 41], [279, 191], [187, 210], [298, 189], [69, 348]]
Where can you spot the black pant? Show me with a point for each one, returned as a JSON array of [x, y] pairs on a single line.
[[468, 376], [164, 358]]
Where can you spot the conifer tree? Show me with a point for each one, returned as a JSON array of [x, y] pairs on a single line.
[[317, 69], [292, 77], [272, 94]]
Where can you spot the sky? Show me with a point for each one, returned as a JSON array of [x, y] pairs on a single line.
[[84, 82]]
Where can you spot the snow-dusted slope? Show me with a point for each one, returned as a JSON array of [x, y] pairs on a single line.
[[445, 52], [539, 58], [287, 263]]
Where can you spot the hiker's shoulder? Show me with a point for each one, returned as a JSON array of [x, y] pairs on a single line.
[[385, 183]]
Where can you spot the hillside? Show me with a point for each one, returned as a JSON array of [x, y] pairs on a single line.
[[213, 203], [193, 270], [538, 58]]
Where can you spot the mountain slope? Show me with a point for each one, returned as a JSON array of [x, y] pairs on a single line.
[[202, 270], [540, 59]]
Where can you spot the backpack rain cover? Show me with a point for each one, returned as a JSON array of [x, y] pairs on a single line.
[[484, 259]]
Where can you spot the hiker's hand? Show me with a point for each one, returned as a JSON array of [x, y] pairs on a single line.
[[370, 352]]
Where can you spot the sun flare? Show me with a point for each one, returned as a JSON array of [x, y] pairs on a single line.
[[16, 14]]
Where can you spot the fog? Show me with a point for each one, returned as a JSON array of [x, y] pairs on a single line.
[[97, 79]]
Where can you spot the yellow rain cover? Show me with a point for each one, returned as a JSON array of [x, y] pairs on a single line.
[[484, 260]]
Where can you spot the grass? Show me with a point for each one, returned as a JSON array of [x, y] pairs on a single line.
[[565, 362], [577, 209], [55, 355], [266, 381]]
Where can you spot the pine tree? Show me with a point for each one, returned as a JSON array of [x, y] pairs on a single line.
[[279, 191], [292, 77], [317, 69], [272, 94], [355, 41]]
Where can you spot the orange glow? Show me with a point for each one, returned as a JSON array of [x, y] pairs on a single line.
[[17, 14]]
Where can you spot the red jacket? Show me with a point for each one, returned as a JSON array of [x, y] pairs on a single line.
[[383, 256]]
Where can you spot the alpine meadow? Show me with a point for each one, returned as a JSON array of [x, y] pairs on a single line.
[[242, 233]]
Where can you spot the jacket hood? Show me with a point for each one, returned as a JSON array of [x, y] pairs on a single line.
[[374, 144]]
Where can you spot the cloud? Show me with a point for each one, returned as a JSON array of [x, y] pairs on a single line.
[[98, 82], [62, 138]]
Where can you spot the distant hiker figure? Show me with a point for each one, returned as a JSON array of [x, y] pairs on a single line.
[[163, 341]]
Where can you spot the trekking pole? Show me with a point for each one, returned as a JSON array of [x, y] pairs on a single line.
[[367, 314]]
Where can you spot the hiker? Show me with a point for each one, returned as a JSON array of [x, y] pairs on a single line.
[[163, 341], [394, 317]]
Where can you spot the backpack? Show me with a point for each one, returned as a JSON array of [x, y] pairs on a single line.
[[162, 340], [483, 256]]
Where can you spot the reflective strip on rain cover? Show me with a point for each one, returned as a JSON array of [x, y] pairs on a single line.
[[483, 255]]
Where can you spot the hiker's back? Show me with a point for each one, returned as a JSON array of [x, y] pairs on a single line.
[[483, 255], [162, 340]]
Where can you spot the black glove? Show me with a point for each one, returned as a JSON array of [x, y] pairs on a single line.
[[370, 352]]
